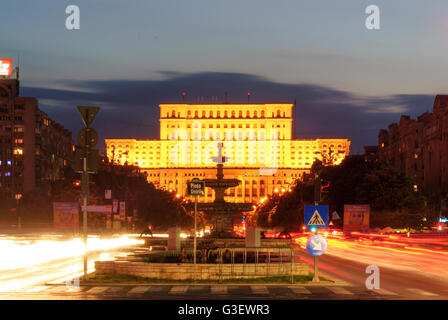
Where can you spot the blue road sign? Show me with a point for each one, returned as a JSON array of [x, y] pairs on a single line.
[[316, 216], [316, 245]]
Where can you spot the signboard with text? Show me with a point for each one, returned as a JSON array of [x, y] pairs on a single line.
[[196, 187]]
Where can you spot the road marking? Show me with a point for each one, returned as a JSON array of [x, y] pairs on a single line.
[[259, 290], [339, 290], [178, 290], [218, 289], [115, 289], [385, 292], [97, 290], [139, 290], [299, 290], [155, 289], [422, 292]]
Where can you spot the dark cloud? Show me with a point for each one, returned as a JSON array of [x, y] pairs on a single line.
[[129, 107]]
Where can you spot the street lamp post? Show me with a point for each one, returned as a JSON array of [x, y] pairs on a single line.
[[194, 241]]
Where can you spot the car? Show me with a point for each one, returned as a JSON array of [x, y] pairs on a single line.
[[284, 235]]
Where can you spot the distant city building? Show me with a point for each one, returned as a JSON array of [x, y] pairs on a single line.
[[33, 148], [419, 147], [257, 144]]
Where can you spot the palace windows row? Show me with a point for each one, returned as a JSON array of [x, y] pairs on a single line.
[[227, 114]]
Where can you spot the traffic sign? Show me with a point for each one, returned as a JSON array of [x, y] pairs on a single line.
[[316, 216], [87, 137], [196, 187], [336, 216], [93, 160], [88, 114], [316, 245]]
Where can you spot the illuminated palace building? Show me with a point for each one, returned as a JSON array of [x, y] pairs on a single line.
[[256, 142]]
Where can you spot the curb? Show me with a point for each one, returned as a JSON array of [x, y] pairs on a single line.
[[104, 284]]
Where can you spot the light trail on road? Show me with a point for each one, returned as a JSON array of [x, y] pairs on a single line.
[[395, 252], [28, 262]]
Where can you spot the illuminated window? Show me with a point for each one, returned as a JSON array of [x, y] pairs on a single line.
[[18, 151]]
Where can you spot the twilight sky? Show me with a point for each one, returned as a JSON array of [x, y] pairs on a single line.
[[129, 56]]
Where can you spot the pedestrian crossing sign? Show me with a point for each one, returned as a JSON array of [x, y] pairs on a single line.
[[316, 217]]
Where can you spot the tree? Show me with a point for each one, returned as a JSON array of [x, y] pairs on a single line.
[[390, 193]]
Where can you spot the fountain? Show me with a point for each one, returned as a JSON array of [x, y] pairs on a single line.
[[219, 210]]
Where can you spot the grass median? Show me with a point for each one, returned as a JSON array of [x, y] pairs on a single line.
[[119, 278]]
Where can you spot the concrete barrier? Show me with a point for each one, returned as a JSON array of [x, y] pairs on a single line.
[[183, 271]]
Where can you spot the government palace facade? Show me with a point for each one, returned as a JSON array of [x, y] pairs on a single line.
[[256, 141]]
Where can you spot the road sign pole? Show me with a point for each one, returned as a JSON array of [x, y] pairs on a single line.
[[316, 270], [195, 227], [316, 266], [87, 115], [85, 189]]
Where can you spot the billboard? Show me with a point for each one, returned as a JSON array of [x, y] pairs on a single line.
[[98, 217], [6, 67], [65, 216], [356, 217]]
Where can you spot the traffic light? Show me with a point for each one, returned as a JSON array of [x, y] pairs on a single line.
[[324, 186]]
